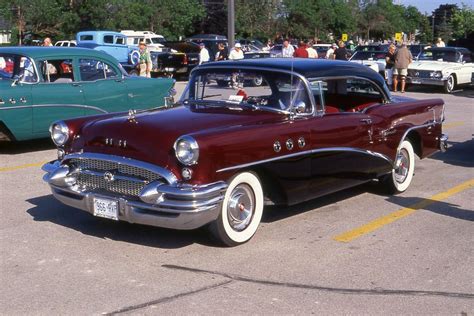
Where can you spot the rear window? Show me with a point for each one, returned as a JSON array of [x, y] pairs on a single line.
[[86, 37], [109, 39]]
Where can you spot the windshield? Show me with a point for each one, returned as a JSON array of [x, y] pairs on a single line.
[[16, 66], [439, 55], [239, 88], [157, 40], [367, 55]]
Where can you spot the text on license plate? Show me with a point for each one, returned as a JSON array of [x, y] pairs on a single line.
[[106, 208]]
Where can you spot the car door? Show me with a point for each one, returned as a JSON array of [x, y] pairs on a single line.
[[104, 88], [467, 68], [342, 139], [57, 96]]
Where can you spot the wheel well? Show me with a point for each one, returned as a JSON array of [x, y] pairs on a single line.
[[5, 134], [270, 185], [414, 138]]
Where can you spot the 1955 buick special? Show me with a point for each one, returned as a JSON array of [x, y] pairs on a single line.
[[312, 128]]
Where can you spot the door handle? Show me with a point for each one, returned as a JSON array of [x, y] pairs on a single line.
[[75, 84], [366, 120]]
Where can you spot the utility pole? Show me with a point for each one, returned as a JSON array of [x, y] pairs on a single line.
[[20, 26], [231, 23]]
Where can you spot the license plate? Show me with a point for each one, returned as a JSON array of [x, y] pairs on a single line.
[[169, 69], [415, 81], [106, 208]]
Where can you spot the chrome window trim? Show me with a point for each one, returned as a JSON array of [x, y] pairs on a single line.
[[312, 151], [34, 66], [53, 106], [120, 75], [288, 72], [168, 175]]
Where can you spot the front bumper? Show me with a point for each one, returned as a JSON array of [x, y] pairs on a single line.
[[426, 81], [175, 206]]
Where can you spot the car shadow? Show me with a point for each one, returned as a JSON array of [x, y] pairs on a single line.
[[48, 209], [463, 91], [15, 148], [458, 154]]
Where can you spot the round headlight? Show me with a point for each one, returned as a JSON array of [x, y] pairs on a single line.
[[59, 133], [186, 150]]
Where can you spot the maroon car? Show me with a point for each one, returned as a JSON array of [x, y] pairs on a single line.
[[312, 128]]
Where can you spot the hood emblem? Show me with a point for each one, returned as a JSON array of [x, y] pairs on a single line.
[[120, 143], [109, 176]]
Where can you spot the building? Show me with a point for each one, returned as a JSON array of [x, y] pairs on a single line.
[[5, 31]]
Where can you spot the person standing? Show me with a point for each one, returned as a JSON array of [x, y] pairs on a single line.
[[312, 53], [341, 52], [236, 53], [330, 51], [222, 53], [440, 43], [47, 42], [301, 51], [268, 47], [144, 62], [403, 58], [390, 63], [287, 50], [203, 54]]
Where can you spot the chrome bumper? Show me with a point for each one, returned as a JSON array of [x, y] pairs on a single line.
[[426, 81], [173, 206], [443, 143]]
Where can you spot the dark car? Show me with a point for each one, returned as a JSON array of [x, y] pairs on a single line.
[[372, 48], [314, 127]]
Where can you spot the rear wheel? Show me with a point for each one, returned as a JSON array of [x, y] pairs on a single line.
[[449, 84], [241, 210], [400, 177]]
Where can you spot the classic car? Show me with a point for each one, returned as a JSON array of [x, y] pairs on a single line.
[[165, 62], [40, 85], [375, 60], [315, 127], [447, 67], [71, 43]]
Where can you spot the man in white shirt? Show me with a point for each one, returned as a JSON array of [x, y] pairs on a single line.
[[236, 53], [203, 54], [330, 52], [287, 50], [312, 53]]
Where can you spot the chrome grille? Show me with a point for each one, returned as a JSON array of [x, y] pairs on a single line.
[[137, 177], [419, 73]]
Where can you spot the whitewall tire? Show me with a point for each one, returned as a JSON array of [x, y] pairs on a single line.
[[241, 210], [400, 178]]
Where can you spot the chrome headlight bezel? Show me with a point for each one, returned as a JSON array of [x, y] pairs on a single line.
[[186, 150], [436, 74], [59, 133]]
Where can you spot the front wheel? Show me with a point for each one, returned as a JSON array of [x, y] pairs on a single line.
[[400, 178], [449, 84], [241, 210]]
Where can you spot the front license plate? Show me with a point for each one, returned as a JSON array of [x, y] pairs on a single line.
[[169, 69], [106, 208], [415, 81]]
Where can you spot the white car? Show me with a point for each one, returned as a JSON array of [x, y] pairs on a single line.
[[153, 41], [375, 60], [442, 66], [71, 43]]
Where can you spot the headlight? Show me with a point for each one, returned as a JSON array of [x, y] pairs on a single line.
[[59, 133], [436, 74], [186, 150]]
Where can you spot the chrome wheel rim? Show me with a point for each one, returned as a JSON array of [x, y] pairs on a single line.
[[450, 83], [240, 207], [258, 80], [401, 172]]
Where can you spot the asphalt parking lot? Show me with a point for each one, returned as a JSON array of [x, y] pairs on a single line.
[[354, 252]]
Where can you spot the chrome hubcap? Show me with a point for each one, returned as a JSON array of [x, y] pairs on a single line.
[[240, 207], [401, 172], [450, 83]]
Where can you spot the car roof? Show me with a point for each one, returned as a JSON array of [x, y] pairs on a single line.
[[54, 51], [449, 48], [310, 68]]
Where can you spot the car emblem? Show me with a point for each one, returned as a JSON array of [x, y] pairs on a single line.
[[301, 142], [277, 146], [289, 144], [417, 74], [109, 176]]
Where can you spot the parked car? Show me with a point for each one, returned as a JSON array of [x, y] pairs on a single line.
[[153, 41], [417, 49], [71, 43], [321, 49], [447, 67], [207, 37], [372, 48], [375, 60], [191, 50], [315, 127], [45, 84]]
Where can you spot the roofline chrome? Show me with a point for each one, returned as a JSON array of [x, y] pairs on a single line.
[[314, 112], [168, 175], [53, 106], [312, 151]]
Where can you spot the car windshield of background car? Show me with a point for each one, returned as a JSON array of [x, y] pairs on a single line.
[[442, 55], [264, 90]]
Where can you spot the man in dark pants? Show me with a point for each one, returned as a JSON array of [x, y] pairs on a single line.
[[341, 52]]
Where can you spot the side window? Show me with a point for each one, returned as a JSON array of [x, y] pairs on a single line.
[[349, 95], [72, 44], [108, 39], [120, 40], [57, 70], [109, 71], [86, 37], [135, 41], [466, 57], [92, 70], [148, 41]]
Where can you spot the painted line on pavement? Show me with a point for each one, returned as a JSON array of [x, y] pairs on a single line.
[[28, 165], [392, 217], [453, 124]]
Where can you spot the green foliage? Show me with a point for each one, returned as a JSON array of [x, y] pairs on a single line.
[[463, 22]]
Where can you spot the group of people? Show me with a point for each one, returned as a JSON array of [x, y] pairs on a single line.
[[235, 53], [397, 62], [306, 50]]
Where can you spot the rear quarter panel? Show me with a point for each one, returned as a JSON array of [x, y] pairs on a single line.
[[145, 93]]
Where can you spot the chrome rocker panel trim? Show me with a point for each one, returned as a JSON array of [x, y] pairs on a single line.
[[173, 206]]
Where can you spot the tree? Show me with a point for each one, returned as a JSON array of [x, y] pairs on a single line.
[[463, 22]]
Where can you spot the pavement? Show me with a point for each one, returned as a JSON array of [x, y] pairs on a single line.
[[355, 252]]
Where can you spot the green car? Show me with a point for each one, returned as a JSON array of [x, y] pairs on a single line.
[[39, 85]]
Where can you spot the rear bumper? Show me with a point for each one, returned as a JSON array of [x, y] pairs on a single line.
[[443, 143], [173, 206]]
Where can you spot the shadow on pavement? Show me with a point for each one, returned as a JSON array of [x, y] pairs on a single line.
[[15, 148], [46, 208], [463, 91], [458, 154]]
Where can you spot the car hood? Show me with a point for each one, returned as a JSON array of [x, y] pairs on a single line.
[[430, 65], [149, 136]]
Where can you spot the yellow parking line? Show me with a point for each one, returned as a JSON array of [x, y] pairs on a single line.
[[384, 220], [28, 165], [453, 124]]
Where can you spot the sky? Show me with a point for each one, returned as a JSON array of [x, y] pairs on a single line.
[[430, 5]]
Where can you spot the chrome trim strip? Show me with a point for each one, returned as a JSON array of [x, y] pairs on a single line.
[[54, 106], [412, 129], [314, 112], [168, 175], [115, 176], [312, 151]]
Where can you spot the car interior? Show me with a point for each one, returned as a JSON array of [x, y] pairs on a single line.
[[57, 71]]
